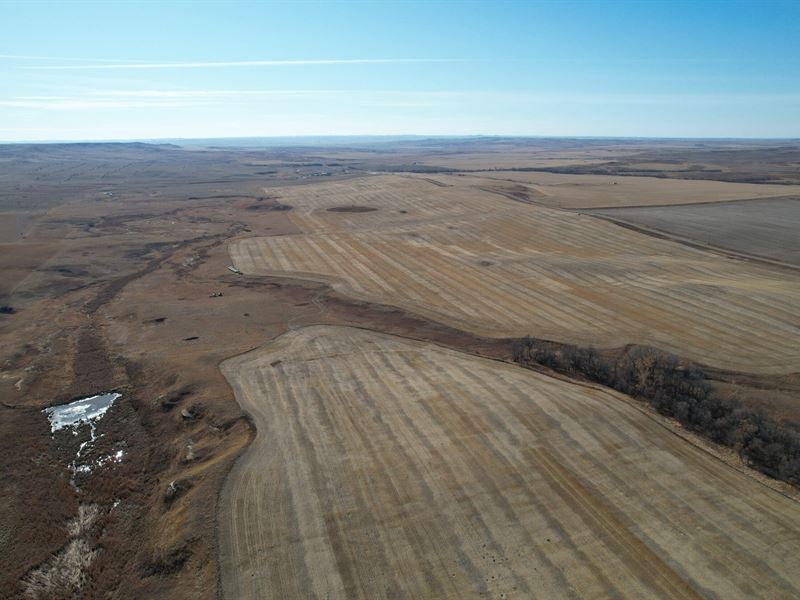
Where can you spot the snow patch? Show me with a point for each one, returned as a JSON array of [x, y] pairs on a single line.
[[72, 416], [84, 410]]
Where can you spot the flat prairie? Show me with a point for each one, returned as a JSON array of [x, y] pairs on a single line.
[[480, 261], [764, 228], [385, 468]]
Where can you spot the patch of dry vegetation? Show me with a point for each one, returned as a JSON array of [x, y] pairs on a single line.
[[65, 573]]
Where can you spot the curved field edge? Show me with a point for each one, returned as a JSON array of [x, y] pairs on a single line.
[[385, 466], [498, 268]]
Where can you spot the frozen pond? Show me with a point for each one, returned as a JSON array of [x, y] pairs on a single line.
[[85, 410], [73, 415]]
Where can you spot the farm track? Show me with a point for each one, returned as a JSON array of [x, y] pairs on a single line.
[[499, 268], [384, 467]]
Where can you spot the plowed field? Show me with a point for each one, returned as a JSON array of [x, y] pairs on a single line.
[[762, 228]]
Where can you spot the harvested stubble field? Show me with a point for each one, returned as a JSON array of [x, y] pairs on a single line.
[[385, 467], [756, 161], [488, 264], [559, 190], [764, 228]]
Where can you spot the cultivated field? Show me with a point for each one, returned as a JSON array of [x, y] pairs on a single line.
[[755, 161], [593, 191], [388, 468], [764, 228], [485, 263]]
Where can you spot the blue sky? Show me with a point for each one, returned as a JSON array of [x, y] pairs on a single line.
[[133, 70]]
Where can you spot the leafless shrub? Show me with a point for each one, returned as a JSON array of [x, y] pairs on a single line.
[[83, 523], [63, 575], [682, 392]]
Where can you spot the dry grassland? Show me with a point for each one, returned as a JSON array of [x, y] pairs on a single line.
[[387, 468], [490, 265]]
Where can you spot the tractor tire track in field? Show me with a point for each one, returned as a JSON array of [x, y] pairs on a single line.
[[384, 467]]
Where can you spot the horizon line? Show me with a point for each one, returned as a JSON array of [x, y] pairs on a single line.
[[156, 140]]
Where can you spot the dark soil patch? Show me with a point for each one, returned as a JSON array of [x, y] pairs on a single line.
[[169, 400], [352, 209], [218, 196], [70, 271], [171, 563], [277, 207]]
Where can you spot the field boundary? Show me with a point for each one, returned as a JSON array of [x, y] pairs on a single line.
[[685, 204], [691, 243]]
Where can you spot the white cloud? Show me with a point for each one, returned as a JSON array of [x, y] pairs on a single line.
[[85, 104], [237, 63], [171, 99], [64, 58]]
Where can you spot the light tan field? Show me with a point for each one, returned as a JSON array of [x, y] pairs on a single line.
[[387, 468], [482, 262], [593, 191]]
